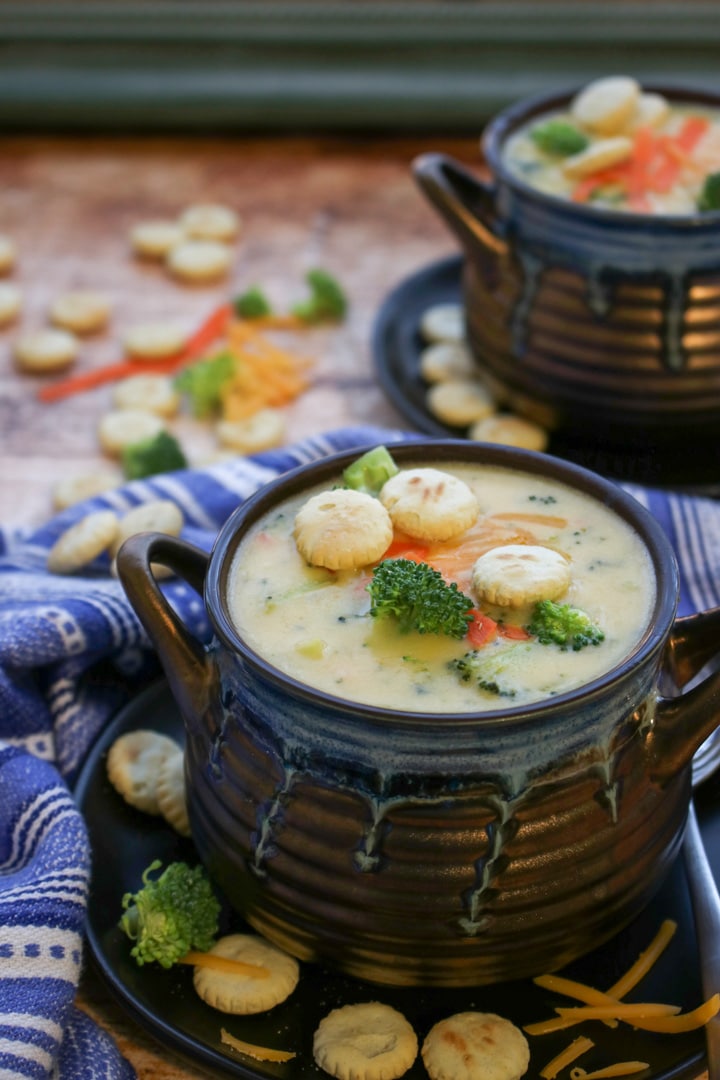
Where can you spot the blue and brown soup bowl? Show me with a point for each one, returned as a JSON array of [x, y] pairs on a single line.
[[587, 318], [442, 849]]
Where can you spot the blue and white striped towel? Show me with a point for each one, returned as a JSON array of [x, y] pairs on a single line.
[[71, 654]]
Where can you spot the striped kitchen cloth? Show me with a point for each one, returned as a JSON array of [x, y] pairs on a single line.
[[72, 653]]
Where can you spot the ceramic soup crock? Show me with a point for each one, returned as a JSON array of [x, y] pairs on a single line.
[[586, 318], [424, 849]]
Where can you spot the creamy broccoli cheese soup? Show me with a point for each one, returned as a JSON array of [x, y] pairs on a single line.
[[619, 147], [580, 560]]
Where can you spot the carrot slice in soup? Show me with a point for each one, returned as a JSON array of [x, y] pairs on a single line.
[[482, 630]]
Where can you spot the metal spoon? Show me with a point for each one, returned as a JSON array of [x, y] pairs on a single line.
[[706, 904]]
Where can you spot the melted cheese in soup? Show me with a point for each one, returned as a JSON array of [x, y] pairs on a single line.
[[314, 624]]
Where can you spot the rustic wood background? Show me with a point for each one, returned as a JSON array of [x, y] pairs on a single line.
[[349, 205]]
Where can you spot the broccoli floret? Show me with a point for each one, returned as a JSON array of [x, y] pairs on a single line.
[[327, 299], [563, 625], [491, 669], [369, 472], [161, 453], [203, 381], [559, 137], [418, 598], [710, 195], [170, 915], [252, 304]]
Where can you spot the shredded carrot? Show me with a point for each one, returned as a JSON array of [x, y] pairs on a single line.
[[692, 130], [616, 174], [653, 166], [571, 1053], [642, 155], [406, 548], [666, 169], [455, 559], [225, 964], [208, 332], [260, 1053], [482, 630]]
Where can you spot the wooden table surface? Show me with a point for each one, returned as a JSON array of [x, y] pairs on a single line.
[[347, 205]]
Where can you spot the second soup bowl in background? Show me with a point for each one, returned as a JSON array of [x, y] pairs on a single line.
[[585, 318]]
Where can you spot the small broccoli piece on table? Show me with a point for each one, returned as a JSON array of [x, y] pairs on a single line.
[[162, 453], [419, 599], [252, 304], [563, 625], [326, 301], [171, 914], [203, 382], [369, 472]]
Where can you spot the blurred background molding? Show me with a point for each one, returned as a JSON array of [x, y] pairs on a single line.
[[189, 65]]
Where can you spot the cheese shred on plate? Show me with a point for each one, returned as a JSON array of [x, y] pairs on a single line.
[[260, 1053], [225, 964], [607, 1006], [620, 1068], [566, 1057]]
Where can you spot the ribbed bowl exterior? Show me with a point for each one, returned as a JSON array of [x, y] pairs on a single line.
[[566, 367], [446, 857]]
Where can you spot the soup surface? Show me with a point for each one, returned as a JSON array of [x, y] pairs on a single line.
[[626, 150], [315, 624]]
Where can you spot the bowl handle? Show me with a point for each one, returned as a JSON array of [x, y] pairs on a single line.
[[184, 659], [683, 721], [466, 202]]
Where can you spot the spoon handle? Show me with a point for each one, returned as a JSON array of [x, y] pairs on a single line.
[[706, 909]]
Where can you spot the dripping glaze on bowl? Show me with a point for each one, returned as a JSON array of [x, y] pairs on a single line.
[[597, 313], [444, 848]]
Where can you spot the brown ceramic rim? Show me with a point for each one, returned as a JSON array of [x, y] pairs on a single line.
[[510, 119], [439, 451]]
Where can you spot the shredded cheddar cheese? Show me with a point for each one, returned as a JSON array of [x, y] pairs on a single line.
[[566, 1057], [265, 374], [260, 1053], [690, 1021], [610, 998], [588, 994], [619, 1068], [645, 960], [619, 1010], [225, 964]]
